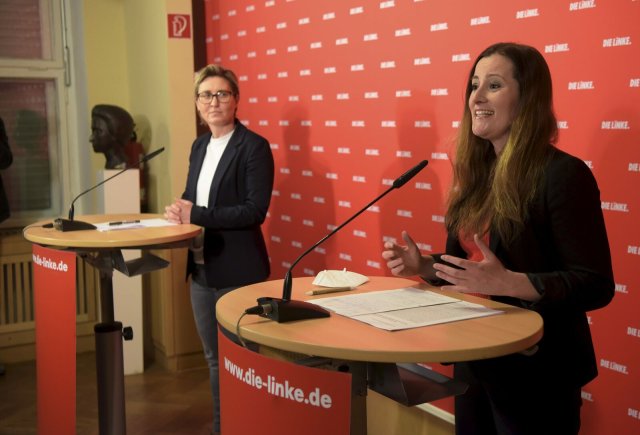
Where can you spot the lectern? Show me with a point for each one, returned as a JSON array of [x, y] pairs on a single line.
[[377, 359], [103, 250]]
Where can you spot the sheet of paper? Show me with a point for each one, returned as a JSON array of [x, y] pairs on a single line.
[[144, 223], [424, 316], [403, 308], [339, 278], [380, 301]]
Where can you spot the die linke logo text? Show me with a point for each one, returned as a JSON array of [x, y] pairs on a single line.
[[614, 366], [586, 396], [527, 13], [477, 21], [615, 125], [556, 48], [634, 332], [576, 6], [622, 288], [617, 41], [615, 206], [47, 263], [581, 85]]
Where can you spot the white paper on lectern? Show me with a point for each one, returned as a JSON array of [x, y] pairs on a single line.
[[425, 316], [403, 308], [144, 223], [339, 278], [381, 301]]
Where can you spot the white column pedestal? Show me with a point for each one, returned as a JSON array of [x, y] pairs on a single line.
[[122, 195]]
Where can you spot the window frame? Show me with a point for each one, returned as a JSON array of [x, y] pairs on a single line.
[[62, 107]]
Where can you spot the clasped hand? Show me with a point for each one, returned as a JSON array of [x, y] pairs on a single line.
[[179, 212]]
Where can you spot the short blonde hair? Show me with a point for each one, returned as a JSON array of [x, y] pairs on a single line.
[[213, 70]]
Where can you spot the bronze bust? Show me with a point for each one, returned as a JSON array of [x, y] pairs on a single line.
[[111, 131]]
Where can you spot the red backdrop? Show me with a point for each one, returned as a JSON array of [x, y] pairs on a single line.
[[353, 93]]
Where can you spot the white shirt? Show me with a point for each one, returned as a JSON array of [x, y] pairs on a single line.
[[215, 148]]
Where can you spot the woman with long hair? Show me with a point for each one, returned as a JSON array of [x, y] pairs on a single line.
[[524, 227]]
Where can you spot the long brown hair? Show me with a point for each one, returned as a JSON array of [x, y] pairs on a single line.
[[492, 190]]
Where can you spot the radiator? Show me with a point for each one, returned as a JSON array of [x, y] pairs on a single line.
[[16, 292]]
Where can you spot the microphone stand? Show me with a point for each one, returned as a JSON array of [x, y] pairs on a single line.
[[73, 225], [285, 309]]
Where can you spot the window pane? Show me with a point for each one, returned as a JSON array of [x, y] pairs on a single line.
[[25, 109], [24, 29]]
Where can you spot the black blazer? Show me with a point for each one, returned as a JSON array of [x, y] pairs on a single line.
[[235, 253], [6, 158], [564, 251]]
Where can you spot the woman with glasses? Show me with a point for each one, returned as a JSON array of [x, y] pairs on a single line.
[[228, 192]]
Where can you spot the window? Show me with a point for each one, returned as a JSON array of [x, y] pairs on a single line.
[[34, 87]]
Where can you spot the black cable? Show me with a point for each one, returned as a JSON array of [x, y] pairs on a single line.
[[238, 331], [257, 310]]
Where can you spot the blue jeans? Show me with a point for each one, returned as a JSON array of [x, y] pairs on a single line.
[[203, 302]]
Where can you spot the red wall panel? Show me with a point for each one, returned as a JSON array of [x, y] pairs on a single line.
[[353, 93]]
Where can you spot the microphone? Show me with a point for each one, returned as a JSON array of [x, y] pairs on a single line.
[[72, 225], [286, 309]]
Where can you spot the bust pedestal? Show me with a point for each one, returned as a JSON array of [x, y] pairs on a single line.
[[122, 195]]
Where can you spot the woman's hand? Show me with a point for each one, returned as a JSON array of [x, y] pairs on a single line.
[[405, 260], [488, 276], [179, 212]]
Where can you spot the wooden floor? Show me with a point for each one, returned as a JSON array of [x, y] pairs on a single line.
[[157, 402]]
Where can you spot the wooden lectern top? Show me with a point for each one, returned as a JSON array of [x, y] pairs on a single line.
[[125, 238], [344, 338]]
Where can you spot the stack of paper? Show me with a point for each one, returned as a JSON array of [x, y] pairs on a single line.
[[403, 308]]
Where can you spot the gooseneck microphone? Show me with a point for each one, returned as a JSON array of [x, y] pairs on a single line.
[[73, 225], [286, 309]]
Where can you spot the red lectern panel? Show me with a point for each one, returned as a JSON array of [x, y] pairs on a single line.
[[268, 396], [54, 275]]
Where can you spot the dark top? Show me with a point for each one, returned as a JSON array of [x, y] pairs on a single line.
[[235, 253], [6, 158], [564, 251]]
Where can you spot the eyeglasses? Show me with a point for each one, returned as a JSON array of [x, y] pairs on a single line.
[[207, 97]]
